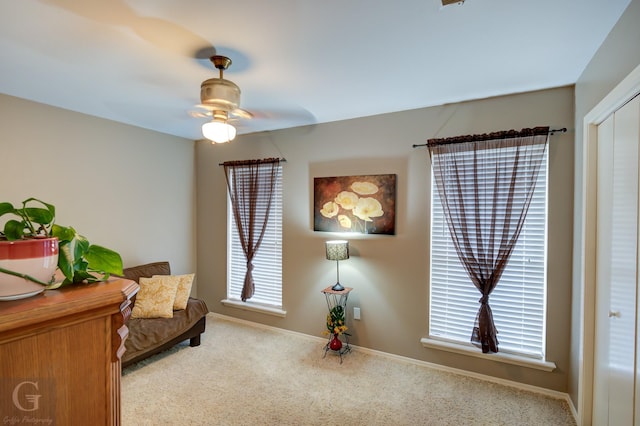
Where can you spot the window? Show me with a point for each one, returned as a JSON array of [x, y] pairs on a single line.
[[519, 300], [267, 271]]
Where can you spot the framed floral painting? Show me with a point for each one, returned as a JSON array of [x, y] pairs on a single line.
[[363, 204]]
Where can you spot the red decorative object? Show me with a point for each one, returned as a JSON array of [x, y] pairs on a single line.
[[335, 344]]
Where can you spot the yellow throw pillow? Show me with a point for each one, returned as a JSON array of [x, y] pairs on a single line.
[[184, 290], [155, 297]]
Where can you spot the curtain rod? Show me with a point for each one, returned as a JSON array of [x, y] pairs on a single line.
[[282, 160], [550, 132]]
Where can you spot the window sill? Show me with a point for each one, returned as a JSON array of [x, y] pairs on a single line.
[[497, 357], [254, 307]]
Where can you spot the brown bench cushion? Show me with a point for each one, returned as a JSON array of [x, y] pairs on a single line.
[[148, 334], [147, 270]]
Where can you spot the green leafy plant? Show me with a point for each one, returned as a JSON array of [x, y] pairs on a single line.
[[335, 321], [78, 260], [32, 222]]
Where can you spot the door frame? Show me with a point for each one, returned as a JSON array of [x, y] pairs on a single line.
[[626, 90]]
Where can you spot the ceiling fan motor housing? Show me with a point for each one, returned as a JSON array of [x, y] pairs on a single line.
[[220, 94]]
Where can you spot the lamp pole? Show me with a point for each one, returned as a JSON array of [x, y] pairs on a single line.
[[338, 286]]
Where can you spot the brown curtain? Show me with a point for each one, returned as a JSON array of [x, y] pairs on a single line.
[[251, 185], [485, 183]]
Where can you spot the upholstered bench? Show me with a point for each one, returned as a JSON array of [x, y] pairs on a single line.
[[149, 336]]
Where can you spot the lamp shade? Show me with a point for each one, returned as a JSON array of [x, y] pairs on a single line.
[[218, 131], [337, 250]]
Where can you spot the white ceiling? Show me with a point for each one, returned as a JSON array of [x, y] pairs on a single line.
[[297, 62]]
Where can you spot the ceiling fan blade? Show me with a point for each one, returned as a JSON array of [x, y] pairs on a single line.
[[204, 107], [204, 110], [200, 114], [241, 113]]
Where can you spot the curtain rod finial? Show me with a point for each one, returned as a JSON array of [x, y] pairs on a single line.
[[553, 131]]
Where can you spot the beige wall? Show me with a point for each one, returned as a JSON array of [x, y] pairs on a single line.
[[123, 187], [389, 273], [614, 60]]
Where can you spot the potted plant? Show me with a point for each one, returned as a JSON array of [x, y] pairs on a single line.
[[33, 224], [336, 326]]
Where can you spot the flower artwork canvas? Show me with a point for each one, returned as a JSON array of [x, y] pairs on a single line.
[[363, 204]]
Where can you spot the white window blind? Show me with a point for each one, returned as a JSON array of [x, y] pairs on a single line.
[[519, 300], [267, 264]]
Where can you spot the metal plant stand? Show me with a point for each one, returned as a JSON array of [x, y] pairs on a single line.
[[337, 298]]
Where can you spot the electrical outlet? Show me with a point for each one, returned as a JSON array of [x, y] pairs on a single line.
[[356, 313]]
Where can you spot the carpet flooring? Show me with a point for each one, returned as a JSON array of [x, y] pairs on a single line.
[[248, 375]]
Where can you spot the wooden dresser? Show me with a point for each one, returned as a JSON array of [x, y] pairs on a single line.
[[60, 355]]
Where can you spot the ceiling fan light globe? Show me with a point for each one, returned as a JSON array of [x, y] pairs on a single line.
[[218, 132]]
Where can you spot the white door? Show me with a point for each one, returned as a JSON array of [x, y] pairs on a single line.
[[617, 267]]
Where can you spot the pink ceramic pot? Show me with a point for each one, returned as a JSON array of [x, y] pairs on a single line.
[[37, 258]]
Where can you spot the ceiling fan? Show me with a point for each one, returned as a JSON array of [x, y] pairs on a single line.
[[220, 100]]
